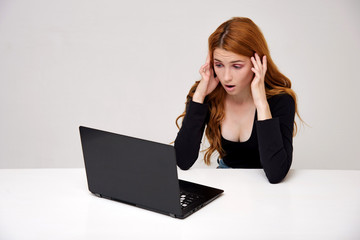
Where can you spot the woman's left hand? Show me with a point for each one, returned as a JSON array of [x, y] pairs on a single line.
[[258, 83]]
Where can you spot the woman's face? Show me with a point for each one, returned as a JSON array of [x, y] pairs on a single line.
[[233, 71]]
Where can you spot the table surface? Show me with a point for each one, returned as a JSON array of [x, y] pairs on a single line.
[[308, 204]]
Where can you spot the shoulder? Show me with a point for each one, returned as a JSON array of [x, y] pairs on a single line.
[[282, 104], [281, 99]]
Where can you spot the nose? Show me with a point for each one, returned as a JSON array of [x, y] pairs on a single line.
[[227, 75]]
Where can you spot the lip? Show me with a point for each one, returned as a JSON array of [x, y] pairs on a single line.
[[229, 87]]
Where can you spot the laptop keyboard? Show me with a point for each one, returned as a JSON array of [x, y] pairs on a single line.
[[187, 198]]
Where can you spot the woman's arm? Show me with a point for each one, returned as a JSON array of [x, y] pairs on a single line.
[[274, 127], [188, 140], [275, 138]]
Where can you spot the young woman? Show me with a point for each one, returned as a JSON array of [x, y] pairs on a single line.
[[246, 105]]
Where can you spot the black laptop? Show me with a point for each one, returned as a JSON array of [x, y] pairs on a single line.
[[140, 173]]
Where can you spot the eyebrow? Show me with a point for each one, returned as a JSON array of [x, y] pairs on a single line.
[[230, 62]]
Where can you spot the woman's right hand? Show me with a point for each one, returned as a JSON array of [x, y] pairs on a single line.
[[207, 83]]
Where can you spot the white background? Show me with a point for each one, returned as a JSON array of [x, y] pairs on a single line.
[[126, 67]]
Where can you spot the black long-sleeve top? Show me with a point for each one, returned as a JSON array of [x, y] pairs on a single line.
[[269, 146]]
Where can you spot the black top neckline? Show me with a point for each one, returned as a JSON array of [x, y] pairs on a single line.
[[251, 135]]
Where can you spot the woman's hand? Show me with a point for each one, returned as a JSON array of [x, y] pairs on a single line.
[[258, 87], [207, 83]]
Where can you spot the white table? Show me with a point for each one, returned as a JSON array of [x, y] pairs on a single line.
[[309, 204]]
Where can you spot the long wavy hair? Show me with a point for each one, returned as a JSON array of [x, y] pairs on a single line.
[[241, 36]]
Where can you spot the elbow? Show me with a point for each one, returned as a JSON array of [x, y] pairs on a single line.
[[183, 167], [275, 180], [277, 171], [183, 160], [276, 175], [183, 163]]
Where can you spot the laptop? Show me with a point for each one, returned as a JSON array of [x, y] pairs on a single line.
[[141, 173]]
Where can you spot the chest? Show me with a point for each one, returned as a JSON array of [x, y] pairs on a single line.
[[238, 122]]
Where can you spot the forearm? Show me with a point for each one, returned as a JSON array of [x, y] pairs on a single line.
[[188, 140], [198, 97], [263, 111], [275, 149]]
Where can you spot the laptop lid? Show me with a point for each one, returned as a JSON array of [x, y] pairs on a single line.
[[141, 173], [131, 170]]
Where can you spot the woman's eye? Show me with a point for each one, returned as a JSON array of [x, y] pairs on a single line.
[[237, 66], [218, 65]]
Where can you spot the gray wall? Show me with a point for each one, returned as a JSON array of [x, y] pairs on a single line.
[[126, 67]]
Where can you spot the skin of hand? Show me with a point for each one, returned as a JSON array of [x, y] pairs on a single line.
[[258, 87], [207, 83]]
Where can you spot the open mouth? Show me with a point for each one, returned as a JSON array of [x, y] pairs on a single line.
[[229, 86]]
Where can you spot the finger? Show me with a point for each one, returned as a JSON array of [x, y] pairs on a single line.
[[207, 67], [255, 64], [208, 58], [255, 71], [264, 63], [203, 66], [258, 60], [261, 66], [202, 69]]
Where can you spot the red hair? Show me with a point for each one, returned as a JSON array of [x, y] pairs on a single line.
[[241, 36]]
